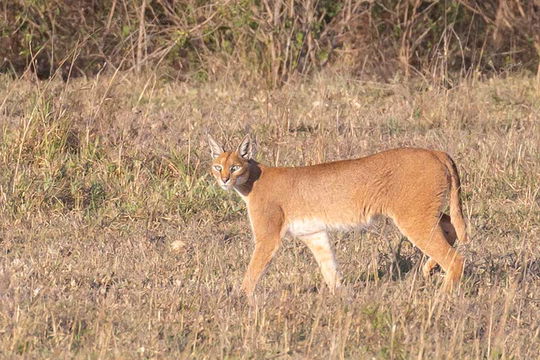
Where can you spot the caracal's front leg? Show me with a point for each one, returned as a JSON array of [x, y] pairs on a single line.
[[319, 244], [267, 228], [263, 253]]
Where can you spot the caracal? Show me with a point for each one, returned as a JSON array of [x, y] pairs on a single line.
[[408, 185]]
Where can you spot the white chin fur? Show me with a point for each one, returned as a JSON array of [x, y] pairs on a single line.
[[226, 187]]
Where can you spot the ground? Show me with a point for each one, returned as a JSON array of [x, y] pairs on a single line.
[[117, 243]]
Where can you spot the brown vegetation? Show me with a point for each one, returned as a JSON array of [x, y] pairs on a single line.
[[116, 243], [272, 40]]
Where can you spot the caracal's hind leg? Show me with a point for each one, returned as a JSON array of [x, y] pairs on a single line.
[[319, 244], [428, 236], [450, 236]]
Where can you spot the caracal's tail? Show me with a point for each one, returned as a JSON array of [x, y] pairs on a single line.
[[456, 214]]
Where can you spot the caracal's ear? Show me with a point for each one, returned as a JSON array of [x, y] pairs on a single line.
[[215, 148], [246, 148]]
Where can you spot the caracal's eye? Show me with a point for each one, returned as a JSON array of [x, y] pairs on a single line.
[[235, 168], [218, 167]]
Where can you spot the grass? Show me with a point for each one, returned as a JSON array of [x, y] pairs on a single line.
[[116, 243]]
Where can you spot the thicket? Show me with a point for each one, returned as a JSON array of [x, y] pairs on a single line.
[[270, 39]]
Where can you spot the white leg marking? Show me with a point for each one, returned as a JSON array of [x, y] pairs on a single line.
[[319, 244]]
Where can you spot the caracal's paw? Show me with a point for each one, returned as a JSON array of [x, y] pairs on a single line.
[[428, 267]]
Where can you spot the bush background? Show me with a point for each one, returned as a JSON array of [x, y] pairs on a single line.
[[272, 40]]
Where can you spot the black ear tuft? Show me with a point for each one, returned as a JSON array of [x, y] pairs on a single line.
[[215, 148], [246, 148]]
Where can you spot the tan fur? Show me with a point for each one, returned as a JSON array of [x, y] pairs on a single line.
[[408, 185]]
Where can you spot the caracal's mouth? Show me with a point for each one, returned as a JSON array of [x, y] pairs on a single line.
[[226, 187]]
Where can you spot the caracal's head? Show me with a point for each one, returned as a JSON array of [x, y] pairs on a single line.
[[231, 168]]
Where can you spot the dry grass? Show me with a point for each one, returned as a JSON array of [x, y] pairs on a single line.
[[117, 244]]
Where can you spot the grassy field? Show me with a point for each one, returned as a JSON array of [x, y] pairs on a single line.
[[116, 243]]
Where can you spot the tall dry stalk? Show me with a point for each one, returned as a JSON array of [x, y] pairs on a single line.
[[141, 42]]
